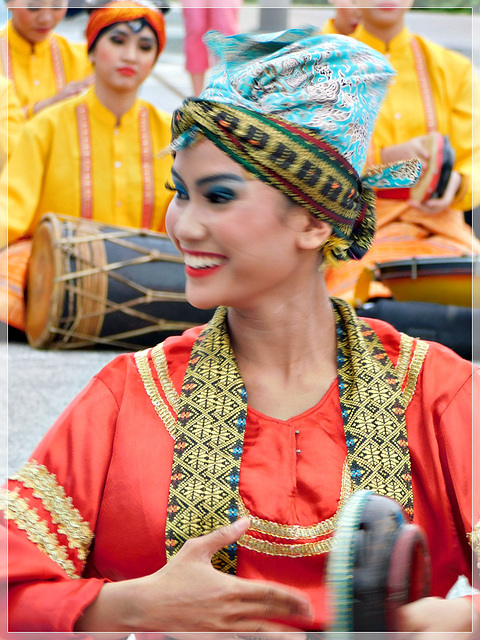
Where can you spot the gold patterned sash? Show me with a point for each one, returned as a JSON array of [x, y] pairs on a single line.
[[212, 415]]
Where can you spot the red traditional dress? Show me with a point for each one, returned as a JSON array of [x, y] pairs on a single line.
[[91, 504]]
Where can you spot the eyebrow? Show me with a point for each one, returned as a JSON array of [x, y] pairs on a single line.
[[209, 179]]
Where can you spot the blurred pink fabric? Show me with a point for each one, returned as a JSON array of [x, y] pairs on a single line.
[[212, 15]]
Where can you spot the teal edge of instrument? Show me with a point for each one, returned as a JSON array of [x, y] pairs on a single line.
[[341, 563]]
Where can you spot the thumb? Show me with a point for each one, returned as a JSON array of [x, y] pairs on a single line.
[[212, 542]]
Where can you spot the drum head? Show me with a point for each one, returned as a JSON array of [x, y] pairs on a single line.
[[44, 294]]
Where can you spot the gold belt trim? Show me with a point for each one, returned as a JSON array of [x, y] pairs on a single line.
[[296, 532]]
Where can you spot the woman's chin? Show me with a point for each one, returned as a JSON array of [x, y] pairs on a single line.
[[202, 302]]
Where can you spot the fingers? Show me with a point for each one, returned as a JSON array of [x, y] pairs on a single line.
[[263, 600], [212, 542]]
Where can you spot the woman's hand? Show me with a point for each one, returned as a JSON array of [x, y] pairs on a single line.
[[413, 148], [433, 617], [188, 596], [69, 90], [435, 205]]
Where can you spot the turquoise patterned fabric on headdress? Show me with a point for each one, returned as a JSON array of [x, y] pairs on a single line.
[[297, 111], [329, 83]]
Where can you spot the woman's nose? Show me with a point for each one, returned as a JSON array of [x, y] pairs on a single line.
[[130, 51], [188, 224], [45, 18]]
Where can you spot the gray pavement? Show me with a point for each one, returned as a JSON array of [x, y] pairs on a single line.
[[39, 384]]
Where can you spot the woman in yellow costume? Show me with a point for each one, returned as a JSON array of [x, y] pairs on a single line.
[[43, 66], [96, 155], [432, 93]]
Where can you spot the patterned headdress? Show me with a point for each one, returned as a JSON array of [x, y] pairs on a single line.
[[126, 11], [298, 112]]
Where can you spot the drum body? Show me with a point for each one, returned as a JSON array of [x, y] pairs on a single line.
[[444, 280], [90, 283]]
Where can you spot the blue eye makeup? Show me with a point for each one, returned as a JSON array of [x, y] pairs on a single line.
[[179, 190], [220, 194]]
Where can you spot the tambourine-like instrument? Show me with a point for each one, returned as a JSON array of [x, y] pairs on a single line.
[[89, 283], [433, 181], [378, 563]]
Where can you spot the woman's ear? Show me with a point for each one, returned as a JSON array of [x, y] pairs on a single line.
[[315, 234]]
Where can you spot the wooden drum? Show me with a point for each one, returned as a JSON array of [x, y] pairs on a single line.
[[449, 280], [89, 283]]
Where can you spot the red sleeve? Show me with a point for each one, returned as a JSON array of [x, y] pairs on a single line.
[[459, 458], [52, 504]]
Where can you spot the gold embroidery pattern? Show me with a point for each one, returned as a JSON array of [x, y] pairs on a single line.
[[208, 443], [296, 532], [286, 550], [69, 522], [474, 539], [408, 371], [373, 411], [406, 344], [141, 360], [414, 371], [160, 362], [28, 520]]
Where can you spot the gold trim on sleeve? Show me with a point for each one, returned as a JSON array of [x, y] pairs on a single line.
[[414, 370], [408, 368], [406, 344], [141, 360], [160, 362], [28, 520], [474, 540], [45, 487]]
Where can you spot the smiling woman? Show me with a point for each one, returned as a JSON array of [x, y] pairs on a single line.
[[196, 486]]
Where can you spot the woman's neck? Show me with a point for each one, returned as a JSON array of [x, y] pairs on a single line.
[[286, 353], [116, 102]]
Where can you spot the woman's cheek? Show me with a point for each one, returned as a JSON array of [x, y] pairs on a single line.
[[171, 219]]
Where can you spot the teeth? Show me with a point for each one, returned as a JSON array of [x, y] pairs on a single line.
[[202, 262]]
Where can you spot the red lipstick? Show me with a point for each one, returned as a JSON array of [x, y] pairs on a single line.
[[126, 71]]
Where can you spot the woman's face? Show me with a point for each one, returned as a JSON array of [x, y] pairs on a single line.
[[35, 19], [238, 236], [122, 58]]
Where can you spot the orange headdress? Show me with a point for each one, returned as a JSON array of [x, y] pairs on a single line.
[[125, 11]]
